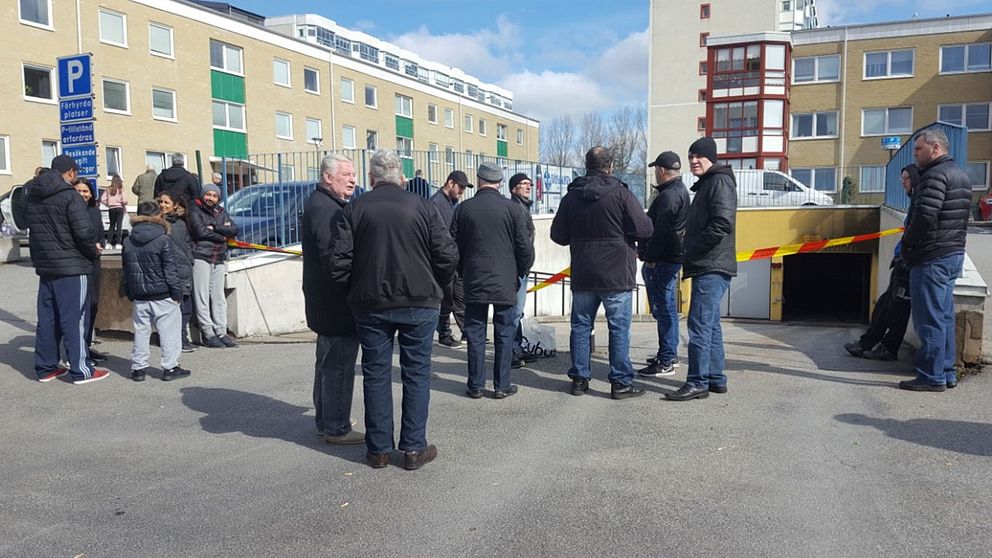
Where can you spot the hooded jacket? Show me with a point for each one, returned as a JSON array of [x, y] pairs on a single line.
[[938, 218], [710, 230], [325, 301], [600, 221], [210, 245], [148, 261], [525, 205], [668, 212], [62, 240], [183, 248], [180, 181]]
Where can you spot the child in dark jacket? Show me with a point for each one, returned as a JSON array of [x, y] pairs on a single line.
[[152, 282]]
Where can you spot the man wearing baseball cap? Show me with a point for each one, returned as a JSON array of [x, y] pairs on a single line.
[[445, 201], [662, 257]]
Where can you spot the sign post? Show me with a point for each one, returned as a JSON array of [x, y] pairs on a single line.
[[76, 120]]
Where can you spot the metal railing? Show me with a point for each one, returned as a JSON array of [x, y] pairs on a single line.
[[555, 299]]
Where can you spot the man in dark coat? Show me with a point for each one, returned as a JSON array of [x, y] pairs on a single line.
[[495, 249], [210, 227], [327, 310], [600, 221], [392, 252], [933, 248], [662, 257], [445, 201], [710, 261], [520, 186], [63, 249], [179, 180], [419, 185]]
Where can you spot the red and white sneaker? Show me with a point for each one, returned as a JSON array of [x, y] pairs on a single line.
[[98, 374], [57, 373]]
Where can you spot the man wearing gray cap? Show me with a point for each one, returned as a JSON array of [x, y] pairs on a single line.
[[495, 250]]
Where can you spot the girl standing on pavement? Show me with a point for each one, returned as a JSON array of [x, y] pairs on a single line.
[[85, 189], [173, 209], [115, 200]]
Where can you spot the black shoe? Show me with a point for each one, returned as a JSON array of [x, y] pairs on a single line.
[[189, 347], [474, 393], [655, 370], [621, 391], [718, 389], [450, 342], [413, 460], [174, 374], [687, 392], [528, 356], [97, 356], [377, 460], [139, 375], [881, 353], [951, 384], [579, 386], [504, 393], [213, 343], [921, 385], [855, 349], [517, 363], [227, 341], [652, 361]]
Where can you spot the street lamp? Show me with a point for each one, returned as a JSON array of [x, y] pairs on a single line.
[[316, 145]]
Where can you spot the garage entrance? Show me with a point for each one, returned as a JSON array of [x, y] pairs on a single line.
[[826, 287]]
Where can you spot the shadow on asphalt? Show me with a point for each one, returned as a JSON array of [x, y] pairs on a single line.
[[259, 416], [969, 438], [752, 366], [19, 355], [16, 321]]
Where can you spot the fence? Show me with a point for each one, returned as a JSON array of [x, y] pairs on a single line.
[[894, 195]]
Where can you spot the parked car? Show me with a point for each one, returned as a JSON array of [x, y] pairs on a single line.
[[12, 208], [770, 188]]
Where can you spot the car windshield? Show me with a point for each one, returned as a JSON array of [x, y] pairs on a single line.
[[256, 201]]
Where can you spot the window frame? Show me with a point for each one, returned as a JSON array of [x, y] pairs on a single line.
[[888, 64], [371, 134], [812, 174], [483, 127], [159, 158], [979, 187], [172, 40], [354, 137], [45, 159], [432, 153], [289, 118], [702, 39], [375, 96], [965, 70], [429, 107], [50, 26], [505, 132], [861, 179], [52, 84], [289, 73], [816, 69], [401, 102], [123, 16], [316, 73], [227, 116], [175, 104], [468, 124], [120, 159], [127, 96], [520, 136], [341, 90], [705, 11], [964, 115], [224, 48], [6, 151], [816, 115], [449, 122], [887, 131], [320, 127]]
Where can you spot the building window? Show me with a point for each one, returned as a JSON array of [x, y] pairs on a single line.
[[371, 140], [423, 74], [226, 57], [392, 62], [701, 124], [348, 137], [973, 116], [38, 83], [432, 113], [49, 149], [404, 147], [280, 72], [449, 118], [704, 11], [342, 46], [311, 80], [814, 125], [160, 40], [702, 67], [371, 96], [501, 132], [116, 96], [957, 59], [368, 52], [113, 28], [155, 159], [702, 39], [404, 106], [347, 90], [163, 104], [734, 121], [410, 68], [284, 125], [872, 179], [441, 80], [520, 136], [449, 155], [229, 116], [5, 155], [483, 127], [978, 172], [890, 63], [314, 129], [886, 121], [816, 69], [701, 96], [287, 172], [432, 153], [114, 161], [823, 179], [458, 85], [469, 126], [36, 12]]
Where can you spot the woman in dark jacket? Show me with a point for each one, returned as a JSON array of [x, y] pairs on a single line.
[[85, 189], [174, 211]]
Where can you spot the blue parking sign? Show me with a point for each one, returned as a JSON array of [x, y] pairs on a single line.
[[75, 75], [85, 157]]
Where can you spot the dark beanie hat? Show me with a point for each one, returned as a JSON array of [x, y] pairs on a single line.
[[517, 179], [704, 147]]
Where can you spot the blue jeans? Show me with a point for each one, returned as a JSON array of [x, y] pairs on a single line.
[[476, 318], [416, 334], [931, 292], [518, 336], [661, 281], [705, 334], [585, 304]]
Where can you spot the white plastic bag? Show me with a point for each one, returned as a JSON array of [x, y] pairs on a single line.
[[538, 338]]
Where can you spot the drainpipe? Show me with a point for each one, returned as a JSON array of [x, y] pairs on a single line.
[[843, 103], [79, 29]]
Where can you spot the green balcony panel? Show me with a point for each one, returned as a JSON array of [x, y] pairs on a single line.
[[404, 127], [500, 148], [230, 144], [227, 87]]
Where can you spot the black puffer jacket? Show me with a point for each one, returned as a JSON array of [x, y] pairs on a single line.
[[148, 262], [494, 246], [938, 220], [444, 207], [710, 231], [525, 205], [210, 244], [180, 181], [600, 221], [62, 240], [179, 233], [326, 301], [668, 212], [392, 251]]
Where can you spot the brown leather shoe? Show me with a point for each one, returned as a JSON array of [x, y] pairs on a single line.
[[377, 460], [413, 460]]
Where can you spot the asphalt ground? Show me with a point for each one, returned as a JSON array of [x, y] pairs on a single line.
[[811, 453]]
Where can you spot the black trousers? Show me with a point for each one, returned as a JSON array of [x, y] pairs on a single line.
[[453, 303], [116, 215], [891, 316]]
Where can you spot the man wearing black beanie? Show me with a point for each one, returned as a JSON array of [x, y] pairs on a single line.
[[520, 185], [710, 261]]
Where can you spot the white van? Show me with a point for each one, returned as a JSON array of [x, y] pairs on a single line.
[[770, 188]]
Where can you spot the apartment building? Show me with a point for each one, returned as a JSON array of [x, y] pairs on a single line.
[[208, 78]]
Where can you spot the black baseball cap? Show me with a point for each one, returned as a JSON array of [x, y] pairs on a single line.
[[667, 160], [459, 178], [63, 164]]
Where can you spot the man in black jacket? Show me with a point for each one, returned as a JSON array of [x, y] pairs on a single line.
[[445, 200], [63, 248], [710, 261], [933, 248], [151, 281], [179, 180], [327, 310], [520, 187], [210, 227], [495, 249], [600, 221], [662, 257], [392, 253]]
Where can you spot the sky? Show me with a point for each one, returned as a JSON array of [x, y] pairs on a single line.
[[594, 54]]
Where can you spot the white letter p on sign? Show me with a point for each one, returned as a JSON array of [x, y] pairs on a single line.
[[75, 71]]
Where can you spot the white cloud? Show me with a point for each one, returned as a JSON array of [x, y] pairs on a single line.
[[486, 54], [626, 62], [548, 94]]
